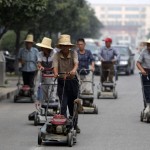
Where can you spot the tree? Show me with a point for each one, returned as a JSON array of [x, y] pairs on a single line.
[[48, 18], [74, 17], [17, 15]]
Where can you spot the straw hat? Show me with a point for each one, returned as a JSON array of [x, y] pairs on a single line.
[[46, 43], [29, 38], [64, 39], [148, 41]]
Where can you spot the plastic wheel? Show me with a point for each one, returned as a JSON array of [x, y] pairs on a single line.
[[70, 139], [148, 119], [15, 98], [36, 119], [74, 136], [32, 98], [96, 110], [39, 137], [141, 117], [115, 95], [98, 95]]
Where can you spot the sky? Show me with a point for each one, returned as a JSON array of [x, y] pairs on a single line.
[[119, 1]]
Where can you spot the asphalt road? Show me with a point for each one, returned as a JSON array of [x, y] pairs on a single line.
[[116, 127]]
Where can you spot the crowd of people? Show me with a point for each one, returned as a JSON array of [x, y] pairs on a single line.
[[69, 63]]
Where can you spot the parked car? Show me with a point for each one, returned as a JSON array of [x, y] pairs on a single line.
[[126, 62], [10, 62], [95, 51]]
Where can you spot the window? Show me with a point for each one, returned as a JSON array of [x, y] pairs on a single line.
[[132, 8], [114, 8], [131, 16], [114, 16]]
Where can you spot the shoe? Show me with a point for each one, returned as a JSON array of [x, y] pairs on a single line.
[[78, 129]]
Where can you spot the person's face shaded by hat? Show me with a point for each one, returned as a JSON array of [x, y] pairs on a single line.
[[108, 42], [28, 45], [148, 47], [46, 51], [65, 49]]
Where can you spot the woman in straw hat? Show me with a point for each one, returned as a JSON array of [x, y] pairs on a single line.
[[45, 62], [66, 61], [28, 57], [143, 64]]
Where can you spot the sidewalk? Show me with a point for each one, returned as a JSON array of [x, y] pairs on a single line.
[[10, 89]]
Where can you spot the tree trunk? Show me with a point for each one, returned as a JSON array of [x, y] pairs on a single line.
[[2, 32], [17, 46]]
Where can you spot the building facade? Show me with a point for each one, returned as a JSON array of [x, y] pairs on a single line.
[[125, 23]]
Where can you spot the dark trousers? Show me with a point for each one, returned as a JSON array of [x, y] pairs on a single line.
[[146, 87], [67, 92], [107, 72], [28, 78]]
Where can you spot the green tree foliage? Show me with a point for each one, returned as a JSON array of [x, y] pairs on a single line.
[[17, 15], [48, 18], [74, 17], [7, 42]]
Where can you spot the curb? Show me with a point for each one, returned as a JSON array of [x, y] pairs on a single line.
[[9, 94]]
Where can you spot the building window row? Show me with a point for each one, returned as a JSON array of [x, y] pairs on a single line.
[[114, 16], [114, 8], [134, 23], [135, 8], [135, 16]]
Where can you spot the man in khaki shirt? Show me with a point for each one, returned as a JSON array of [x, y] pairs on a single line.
[[66, 61]]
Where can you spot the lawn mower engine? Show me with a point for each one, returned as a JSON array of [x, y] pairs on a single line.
[[59, 125], [87, 102], [25, 91]]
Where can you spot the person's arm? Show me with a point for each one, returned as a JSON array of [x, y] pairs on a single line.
[[39, 59], [100, 55], [75, 58], [55, 65], [92, 61], [21, 61], [116, 53], [139, 66]]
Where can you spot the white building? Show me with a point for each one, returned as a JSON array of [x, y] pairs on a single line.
[[125, 23]]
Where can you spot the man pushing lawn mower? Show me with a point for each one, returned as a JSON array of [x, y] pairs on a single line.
[[143, 64], [66, 61], [27, 57], [108, 56]]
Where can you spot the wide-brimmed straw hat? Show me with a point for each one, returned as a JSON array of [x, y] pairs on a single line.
[[46, 43], [29, 38], [148, 41], [64, 39]]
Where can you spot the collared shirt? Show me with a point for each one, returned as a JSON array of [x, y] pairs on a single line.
[[65, 64], [109, 54], [30, 58], [144, 59], [85, 59], [46, 61]]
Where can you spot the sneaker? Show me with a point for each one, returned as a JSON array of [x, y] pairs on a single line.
[[78, 129]]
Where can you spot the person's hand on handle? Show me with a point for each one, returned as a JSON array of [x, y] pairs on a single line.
[[113, 60], [72, 73], [55, 75], [102, 60], [92, 68], [143, 72], [37, 104]]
